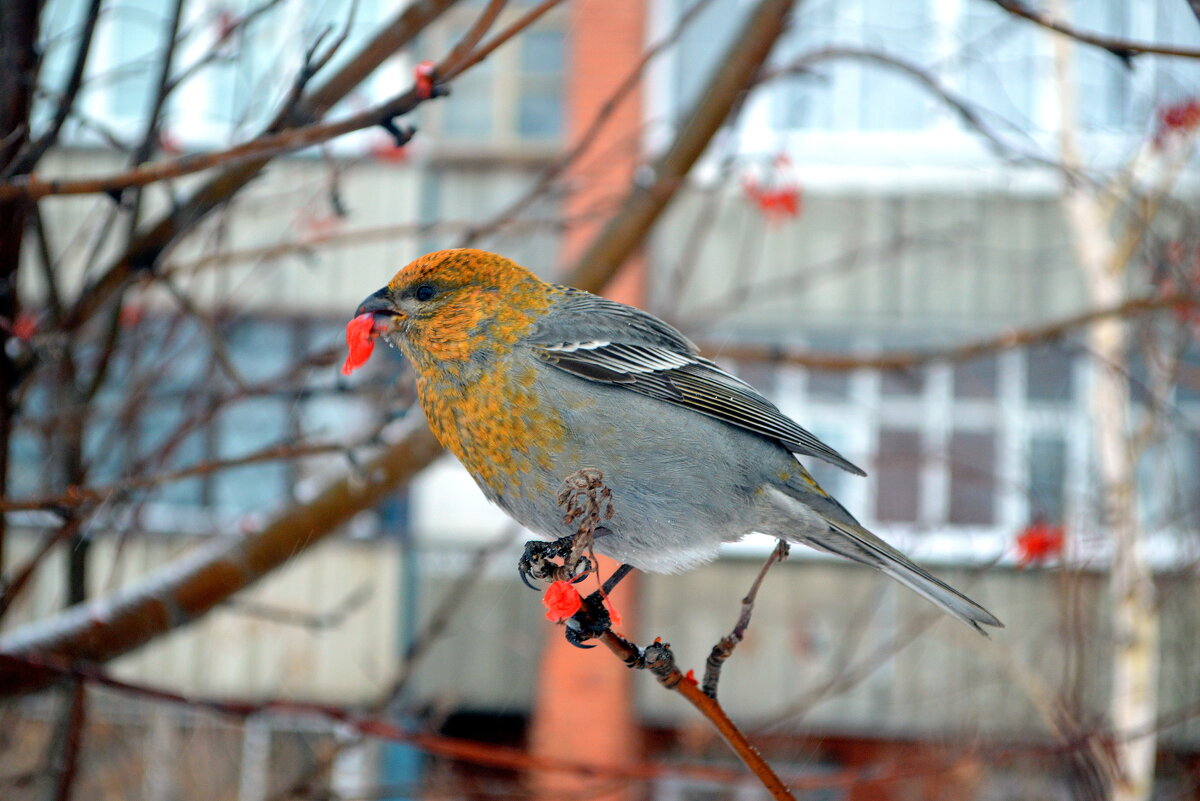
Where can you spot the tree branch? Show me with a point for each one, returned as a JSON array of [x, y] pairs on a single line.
[[658, 659], [179, 593], [1124, 49], [905, 360], [965, 112], [145, 251], [33, 152]]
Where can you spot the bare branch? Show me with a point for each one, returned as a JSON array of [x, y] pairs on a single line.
[[724, 648], [467, 43], [179, 593], [33, 152], [452, 69], [1124, 49], [145, 251], [905, 360], [658, 659], [965, 112]]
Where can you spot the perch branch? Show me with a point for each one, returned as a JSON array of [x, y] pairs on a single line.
[[658, 659], [724, 648]]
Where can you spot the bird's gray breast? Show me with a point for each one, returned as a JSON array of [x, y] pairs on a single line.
[[681, 482]]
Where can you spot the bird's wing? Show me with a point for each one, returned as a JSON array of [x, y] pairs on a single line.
[[612, 343]]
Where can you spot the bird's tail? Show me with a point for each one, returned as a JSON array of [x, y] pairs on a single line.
[[865, 547]]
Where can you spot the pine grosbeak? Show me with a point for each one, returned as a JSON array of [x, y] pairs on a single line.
[[526, 382]]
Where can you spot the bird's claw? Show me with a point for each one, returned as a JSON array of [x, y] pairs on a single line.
[[537, 562], [589, 622]]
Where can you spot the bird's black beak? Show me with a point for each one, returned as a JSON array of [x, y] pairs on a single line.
[[379, 303]]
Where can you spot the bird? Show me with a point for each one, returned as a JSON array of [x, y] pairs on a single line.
[[526, 382]]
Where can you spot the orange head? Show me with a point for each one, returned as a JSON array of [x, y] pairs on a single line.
[[451, 305]]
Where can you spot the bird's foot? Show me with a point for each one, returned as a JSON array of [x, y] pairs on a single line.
[[589, 622], [537, 562]]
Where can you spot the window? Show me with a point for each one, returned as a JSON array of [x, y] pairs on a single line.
[[244, 74], [512, 100], [170, 405], [1000, 64], [898, 470], [975, 453], [972, 467], [1047, 475]]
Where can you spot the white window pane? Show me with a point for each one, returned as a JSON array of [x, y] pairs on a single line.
[[260, 349], [1000, 65], [890, 101], [1048, 373], [1047, 475], [975, 378], [29, 468], [160, 427], [138, 28], [702, 43], [812, 100], [246, 427], [1105, 84]]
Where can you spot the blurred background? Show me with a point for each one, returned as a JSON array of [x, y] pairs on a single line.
[[961, 248]]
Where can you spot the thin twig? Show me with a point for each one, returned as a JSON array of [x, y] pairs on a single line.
[[267, 144], [1017, 338], [966, 113], [462, 50], [450, 71], [659, 660], [724, 648], [316, 621], [22, 574], [34, 150], [72, 741], [1124, 49], [87, 496]]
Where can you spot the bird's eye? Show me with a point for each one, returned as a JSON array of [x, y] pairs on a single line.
[[424, 292]]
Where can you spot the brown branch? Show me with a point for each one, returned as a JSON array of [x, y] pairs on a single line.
[[467, 43], [1124, 49], [73, 725], [658, 659], [724, 648], [317, 621], [266, 145], [149, 246], [469, 751], [563, 162], [76, 497], [453, 68], [356, 236], [22, 575], [905, 360], [180, 592], [34, 151]]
